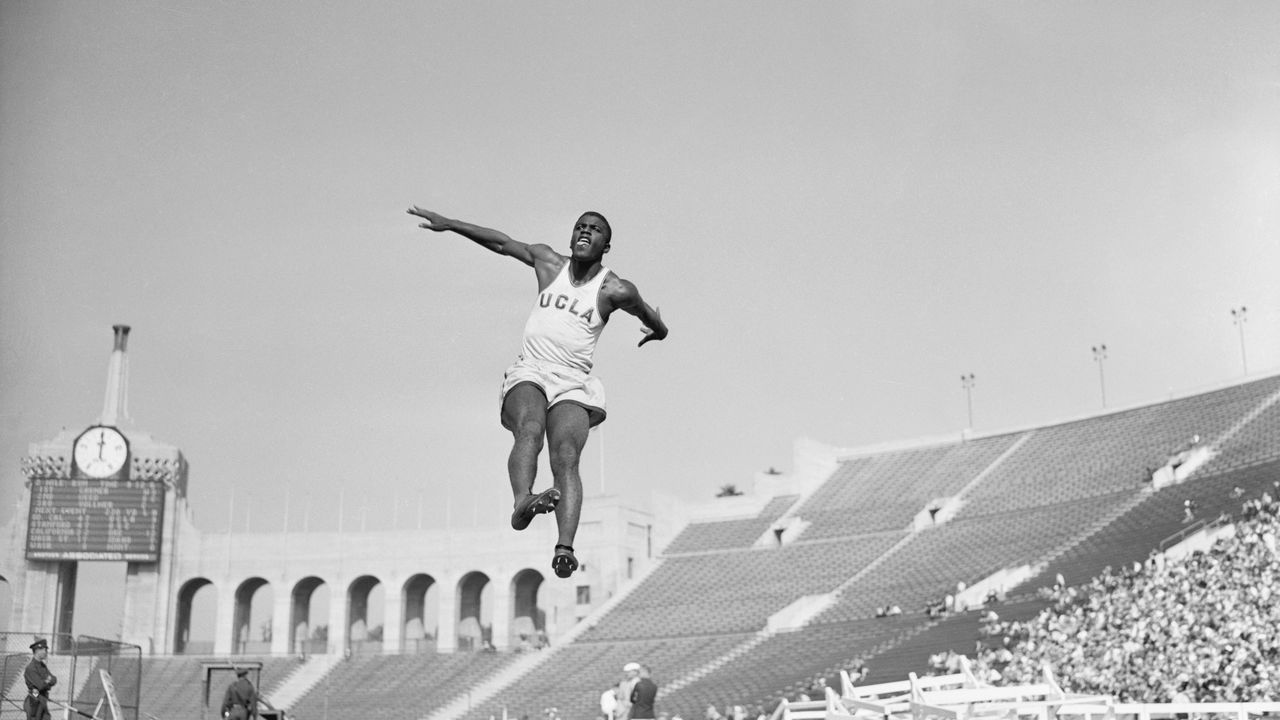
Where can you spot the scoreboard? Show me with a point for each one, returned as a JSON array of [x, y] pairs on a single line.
[[87, 519]]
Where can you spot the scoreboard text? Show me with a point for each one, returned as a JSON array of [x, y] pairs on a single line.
[[84, 519]]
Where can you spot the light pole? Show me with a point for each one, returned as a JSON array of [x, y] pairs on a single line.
[[1099, 355], [1238, 318], [966, 382]]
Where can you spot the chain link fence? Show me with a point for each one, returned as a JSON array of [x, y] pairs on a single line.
[[76, 662]]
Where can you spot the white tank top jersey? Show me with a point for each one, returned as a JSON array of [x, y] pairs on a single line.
[[565, 322]]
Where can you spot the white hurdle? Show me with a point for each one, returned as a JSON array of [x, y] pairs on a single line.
[[961, 696]]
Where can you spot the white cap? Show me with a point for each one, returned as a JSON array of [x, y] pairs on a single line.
[[631, 666]]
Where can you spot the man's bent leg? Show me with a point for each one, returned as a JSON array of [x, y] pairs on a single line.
[[524, 413], [567, 429]]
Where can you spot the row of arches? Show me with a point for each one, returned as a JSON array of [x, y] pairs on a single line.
[[425, 616]]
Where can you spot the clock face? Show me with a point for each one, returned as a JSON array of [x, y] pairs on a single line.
[[101, 452]]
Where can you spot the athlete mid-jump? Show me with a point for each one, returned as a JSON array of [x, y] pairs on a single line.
[[549, 391]]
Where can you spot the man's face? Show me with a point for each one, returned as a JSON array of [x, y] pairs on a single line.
[[590, 240], [42, 654]]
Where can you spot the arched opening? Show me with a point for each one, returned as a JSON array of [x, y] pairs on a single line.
[[475, 616], [197, 614], [309, 617], [528, 622], [421, 608], [365, 604], [251, 621]]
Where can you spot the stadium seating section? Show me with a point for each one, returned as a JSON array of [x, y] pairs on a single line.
[[728, 534]]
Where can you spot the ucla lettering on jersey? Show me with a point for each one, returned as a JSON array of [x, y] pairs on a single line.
[[564, 302], [565, 323]]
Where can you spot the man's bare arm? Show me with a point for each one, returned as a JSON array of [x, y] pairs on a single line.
[[488, 238], [625, 296]]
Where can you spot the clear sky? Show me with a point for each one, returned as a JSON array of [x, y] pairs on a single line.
[[839, 208]]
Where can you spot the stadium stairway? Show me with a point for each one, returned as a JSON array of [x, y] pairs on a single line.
[[767, 633], [1124, 507], [306, 676], [487, 689]]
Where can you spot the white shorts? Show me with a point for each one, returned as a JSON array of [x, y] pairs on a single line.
[[559, 384]]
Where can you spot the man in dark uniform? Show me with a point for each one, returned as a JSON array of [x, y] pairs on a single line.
[[241, 700], [39, 681], [642, 696]]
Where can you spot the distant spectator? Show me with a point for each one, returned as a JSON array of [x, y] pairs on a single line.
[[609, 703], [1189, 510], [39, 682], [643, 696], [631, 675], [240, 701], [818, 688]]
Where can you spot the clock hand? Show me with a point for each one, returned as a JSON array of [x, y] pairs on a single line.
[[102, 440]]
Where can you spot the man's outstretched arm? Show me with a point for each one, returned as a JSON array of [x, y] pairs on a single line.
[[489, 238], [627, 297]]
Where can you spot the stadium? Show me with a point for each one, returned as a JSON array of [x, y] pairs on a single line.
[[820, 592], [298, 477]]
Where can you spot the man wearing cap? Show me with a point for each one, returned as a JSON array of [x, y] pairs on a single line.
[[241, 699], [39, 681], [625, 686], [643, 696]]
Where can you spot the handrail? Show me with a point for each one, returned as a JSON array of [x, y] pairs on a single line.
[[1194, 528]]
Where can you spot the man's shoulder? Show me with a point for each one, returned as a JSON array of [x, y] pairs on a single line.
[[544, 255], [615, 287]]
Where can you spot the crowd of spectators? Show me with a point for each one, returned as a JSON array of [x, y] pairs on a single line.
[[1201, 628]]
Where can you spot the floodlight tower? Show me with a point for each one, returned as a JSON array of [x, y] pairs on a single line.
[[1100, 355], [1238, 318], [966, 382]]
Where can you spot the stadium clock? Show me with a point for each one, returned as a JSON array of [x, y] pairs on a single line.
[[101, 452]]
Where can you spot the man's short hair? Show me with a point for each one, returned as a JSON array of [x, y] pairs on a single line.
[[603, 219]]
